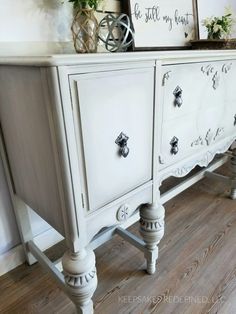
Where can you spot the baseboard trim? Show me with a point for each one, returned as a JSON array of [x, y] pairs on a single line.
[[15, 257]]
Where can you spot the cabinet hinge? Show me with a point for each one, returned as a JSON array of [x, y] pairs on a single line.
[[82, 198]]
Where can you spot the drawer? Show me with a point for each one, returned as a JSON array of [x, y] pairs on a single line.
[[113, 117], [176, 141], [186, 87], [188, 135], [207, 114]]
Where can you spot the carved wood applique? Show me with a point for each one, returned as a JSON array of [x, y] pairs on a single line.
[[210, 70], [165, 78], [209, 137]]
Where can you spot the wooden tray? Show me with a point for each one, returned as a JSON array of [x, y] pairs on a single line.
[[213, 44]]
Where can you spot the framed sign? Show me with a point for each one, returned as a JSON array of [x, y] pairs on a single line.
[[162, 24]]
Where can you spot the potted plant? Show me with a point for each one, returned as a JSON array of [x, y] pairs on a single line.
[[85, 25], [219, 30], [220, 27]]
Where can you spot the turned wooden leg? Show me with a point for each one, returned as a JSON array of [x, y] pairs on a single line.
[[152, 231], [80, 278], [233, 184]]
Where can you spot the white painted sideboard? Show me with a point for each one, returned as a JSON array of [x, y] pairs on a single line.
[[88, 139]]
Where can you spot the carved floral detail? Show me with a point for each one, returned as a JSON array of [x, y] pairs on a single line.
[[123, 213], [210, 136], [161, 159], [201, 161], [80, 280], [216, 80], [208, 69], [219, 132], [211, 70], [165, 78], [226, 67], [197, 142]]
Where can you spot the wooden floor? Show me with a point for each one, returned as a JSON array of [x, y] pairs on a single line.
[[196, 269]]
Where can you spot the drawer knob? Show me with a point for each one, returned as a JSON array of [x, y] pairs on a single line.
[[178, 97], [174, 145], [121, 141]]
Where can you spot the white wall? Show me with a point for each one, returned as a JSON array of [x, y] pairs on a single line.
[[34, 20], [34, 26]]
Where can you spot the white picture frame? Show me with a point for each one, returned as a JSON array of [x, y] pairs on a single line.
[[163, 24]]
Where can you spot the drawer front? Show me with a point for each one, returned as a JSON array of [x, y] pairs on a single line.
[[177, 138], [207, 112], [115, 122], [186, 87]]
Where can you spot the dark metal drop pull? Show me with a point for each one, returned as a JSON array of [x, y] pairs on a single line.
[[178, 96], [121, 141], [174, 145], [235, 120]]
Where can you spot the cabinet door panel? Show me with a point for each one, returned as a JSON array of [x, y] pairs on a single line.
[[111, 103]]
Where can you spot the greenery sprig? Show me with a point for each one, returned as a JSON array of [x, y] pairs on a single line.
[[81, 4]]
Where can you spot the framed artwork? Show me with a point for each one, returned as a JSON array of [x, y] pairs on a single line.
[[163, 24]]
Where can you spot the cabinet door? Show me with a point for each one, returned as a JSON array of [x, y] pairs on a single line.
[[113, 108]]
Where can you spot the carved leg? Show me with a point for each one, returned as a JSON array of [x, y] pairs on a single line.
[[81, 278], [152, 231], [233, 178]]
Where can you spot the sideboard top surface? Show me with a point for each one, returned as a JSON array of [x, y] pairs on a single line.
[[75, 59]]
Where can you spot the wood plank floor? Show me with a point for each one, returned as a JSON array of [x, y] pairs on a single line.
[[196, 268]]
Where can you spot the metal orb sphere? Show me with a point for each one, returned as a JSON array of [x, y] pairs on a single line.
[[116, 32]]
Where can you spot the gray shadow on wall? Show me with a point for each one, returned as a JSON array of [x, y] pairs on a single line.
[[57, 15]]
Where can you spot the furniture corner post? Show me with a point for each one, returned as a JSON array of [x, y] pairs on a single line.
[[233, 178], [80, 278], [152, 231]]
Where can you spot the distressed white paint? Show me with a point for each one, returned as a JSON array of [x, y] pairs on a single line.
[[70, 154], [28, 26]]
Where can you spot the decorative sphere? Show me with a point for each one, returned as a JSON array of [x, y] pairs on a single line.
[[116, 32]]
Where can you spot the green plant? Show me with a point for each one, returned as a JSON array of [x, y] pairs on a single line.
[[220, 27], [81, 4]]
